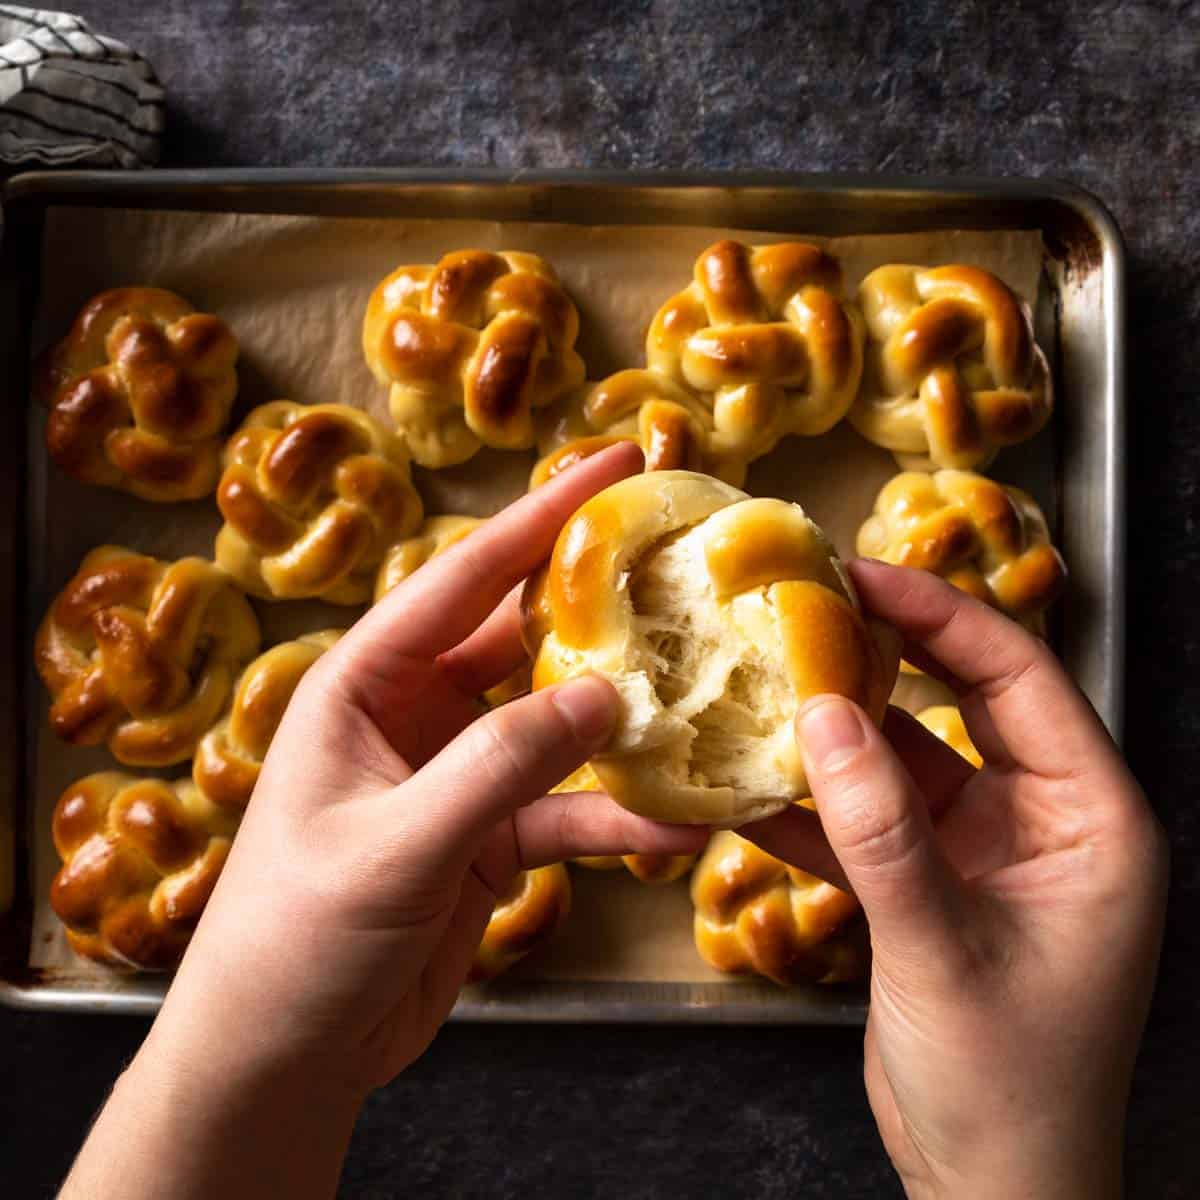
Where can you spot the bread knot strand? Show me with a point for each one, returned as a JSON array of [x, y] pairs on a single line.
[[141, 654], [312, 497], [470, 349], [953, 371], [138, 393]]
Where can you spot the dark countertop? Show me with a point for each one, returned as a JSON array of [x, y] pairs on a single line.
[[1102, 95]]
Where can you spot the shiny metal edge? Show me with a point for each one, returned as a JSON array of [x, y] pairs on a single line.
[[725, 1003]]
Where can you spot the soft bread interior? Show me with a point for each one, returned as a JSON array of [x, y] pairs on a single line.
[[707, 697]]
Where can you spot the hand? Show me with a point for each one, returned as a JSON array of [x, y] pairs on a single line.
[[388, 818], [1015, 912]]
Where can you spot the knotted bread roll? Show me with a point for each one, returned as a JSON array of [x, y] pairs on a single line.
[[141, 856], [139, 391], [312, 497], [755, 914], [715, 616], [672, 425], [142, 654], [470, 348], [953, 371], [765, 332], [984, 538], [649, 868]]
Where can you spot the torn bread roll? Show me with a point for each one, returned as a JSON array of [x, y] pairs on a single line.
[[715, 616]]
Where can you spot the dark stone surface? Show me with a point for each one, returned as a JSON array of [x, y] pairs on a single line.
[[1103, 95]]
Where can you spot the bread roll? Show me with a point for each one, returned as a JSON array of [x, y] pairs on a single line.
[[715, 616], [755, 914], [952, 369], [138, 392], [988, 540], [143, 654], [312, 496], [469, 348]]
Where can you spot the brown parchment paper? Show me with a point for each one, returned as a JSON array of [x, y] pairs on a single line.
[[294, 290]]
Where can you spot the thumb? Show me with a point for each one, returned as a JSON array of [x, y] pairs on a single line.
[[503, 761], [878, 825]]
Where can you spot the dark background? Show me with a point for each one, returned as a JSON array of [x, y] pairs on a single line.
[[1102, 95]]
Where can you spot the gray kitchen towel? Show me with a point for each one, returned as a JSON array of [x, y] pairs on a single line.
[[69, 96]]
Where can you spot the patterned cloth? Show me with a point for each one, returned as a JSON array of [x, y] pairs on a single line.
[[69, 96]]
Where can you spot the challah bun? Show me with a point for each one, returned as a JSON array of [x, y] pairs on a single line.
[[715, 616]]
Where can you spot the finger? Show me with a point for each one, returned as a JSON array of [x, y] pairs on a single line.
[[440, 605], [569, 825], [506, 759], [492, 653], [879, 828], [795, 836], [938, 772], [1040, 720]]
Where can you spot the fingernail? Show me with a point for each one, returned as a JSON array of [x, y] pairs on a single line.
[[590, 707], [830, 731]]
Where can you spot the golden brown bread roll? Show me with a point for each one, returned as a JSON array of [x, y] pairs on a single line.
[[470, 348], [953, 371], [765, 332], [529, 914], [142, 654], [140, 860], [989, 540], [672, 425], [945, 721], [139, 391], [715, 616], [755, 914], [141, 856], [649, 868], [312, 497]]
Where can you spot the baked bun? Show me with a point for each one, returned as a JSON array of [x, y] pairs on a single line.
[[715, 616], [230, 756], [435, 535], [953, 371], [470, 348], [984, 538], [312, 497], [139, 391], [765, 333], [672, 425], [140, 860], [527, 915], [945, 721], [754, 914], [142, 654], [649, 868]]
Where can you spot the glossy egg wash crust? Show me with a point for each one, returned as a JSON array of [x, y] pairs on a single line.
[[715, 616]]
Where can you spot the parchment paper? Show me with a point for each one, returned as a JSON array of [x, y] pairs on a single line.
[[294, 290]]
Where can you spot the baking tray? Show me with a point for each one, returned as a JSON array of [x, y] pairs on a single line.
[[1080, 318]]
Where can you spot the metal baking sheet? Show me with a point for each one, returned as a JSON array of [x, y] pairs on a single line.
[[1080, 323]]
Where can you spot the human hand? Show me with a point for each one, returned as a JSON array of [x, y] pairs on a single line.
[[388, 818], [1015, 912]]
